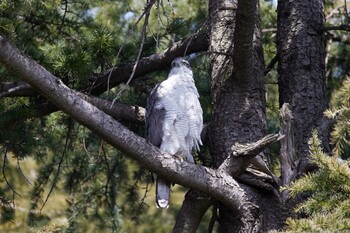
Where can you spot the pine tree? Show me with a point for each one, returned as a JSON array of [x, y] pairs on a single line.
[[327, 207]]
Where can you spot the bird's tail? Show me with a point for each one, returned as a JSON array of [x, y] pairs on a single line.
[[162, 193]]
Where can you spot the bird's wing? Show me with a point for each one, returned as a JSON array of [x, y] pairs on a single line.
[[195, 119], [155, 117], [155, 114]]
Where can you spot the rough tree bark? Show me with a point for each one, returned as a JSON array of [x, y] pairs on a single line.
[[222, 22], [301, 70], [288, 157], [238, 99]]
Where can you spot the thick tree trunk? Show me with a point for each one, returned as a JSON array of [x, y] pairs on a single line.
[[238, 100], [301, 70]]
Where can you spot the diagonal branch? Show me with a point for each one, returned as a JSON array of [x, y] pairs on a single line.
[[142, 38], [121, 73], [120, 111], [271, 65], [161, 61], [241, 156], [15, 89], [217, 183]]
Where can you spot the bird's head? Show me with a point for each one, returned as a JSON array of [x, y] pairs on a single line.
[[179, 63], [181, 68]]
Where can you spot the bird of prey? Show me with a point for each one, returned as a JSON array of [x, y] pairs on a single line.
[[174, 120]]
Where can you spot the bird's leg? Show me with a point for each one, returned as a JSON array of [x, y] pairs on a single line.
[[180, 156]]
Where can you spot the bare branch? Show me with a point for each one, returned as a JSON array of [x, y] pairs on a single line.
[[241, 156], [271, 30], [216, 182], [149, 64], [55, 179], [4, 174], [213, 218], [15, 89], [20, 170], [342, 27], [346, 10], [119, 111], [254, 180], [129, 113], [270, 66], [143, 37], [65, 10], [130, 32]]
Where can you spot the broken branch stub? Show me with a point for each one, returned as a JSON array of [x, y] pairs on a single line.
[[288, 156]]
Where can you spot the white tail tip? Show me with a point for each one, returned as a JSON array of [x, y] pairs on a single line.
[[162, 203]]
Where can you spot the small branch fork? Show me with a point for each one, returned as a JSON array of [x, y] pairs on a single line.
[[196, 203], [246, 152]]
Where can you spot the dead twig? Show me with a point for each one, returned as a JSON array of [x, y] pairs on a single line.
[[4, 174], [59, 164], [143, 37]]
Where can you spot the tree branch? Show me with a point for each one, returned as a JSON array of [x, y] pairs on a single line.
[[218, 183], [342, 27], [121, 73], [242, 155], [15, 89], [119, 111], [193, 208], [272, 64], [128, 113], [161, 61]]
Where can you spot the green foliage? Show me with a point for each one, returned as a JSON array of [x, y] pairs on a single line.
[[7, 213], [338, 48], [327, 208], [341, 113], [268, 20]]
